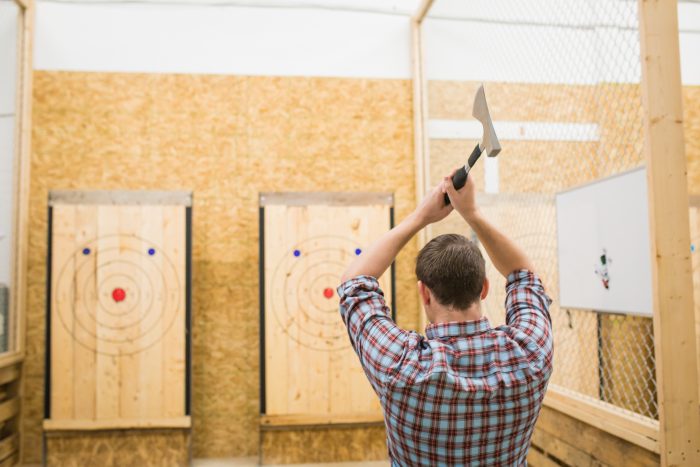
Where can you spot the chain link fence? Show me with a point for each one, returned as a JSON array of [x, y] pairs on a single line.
[[562, 81]]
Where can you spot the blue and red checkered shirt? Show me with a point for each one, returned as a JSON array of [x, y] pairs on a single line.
[[467, 394]]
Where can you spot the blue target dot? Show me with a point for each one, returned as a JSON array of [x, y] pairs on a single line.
[[297, 253], [692, 247], [151, 251], [86, 251], [358, 251]]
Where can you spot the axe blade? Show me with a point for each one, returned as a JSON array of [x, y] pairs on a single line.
[[480, 111]]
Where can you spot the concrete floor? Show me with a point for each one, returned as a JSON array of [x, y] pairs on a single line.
[[253, 462]]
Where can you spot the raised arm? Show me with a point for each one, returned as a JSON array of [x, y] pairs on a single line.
[[378, 257], [505, 255]]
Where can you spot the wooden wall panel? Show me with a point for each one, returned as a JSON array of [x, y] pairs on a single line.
[[310, 367], [567, 441], [133, 448], [118, 358], [323, 445], [226, 138]]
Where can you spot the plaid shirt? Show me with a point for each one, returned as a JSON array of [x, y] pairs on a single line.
[[468, 394]]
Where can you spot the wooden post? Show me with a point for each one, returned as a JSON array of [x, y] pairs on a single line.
[[420, 111], [674, 330]]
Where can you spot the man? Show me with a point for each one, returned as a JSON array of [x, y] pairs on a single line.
[[467, 393]]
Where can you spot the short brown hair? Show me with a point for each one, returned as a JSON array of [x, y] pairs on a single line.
[[453, 268]]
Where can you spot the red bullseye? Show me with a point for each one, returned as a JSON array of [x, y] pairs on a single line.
[[328, 292], [118, 294]]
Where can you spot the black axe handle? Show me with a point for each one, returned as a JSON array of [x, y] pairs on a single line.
[[459, 179]]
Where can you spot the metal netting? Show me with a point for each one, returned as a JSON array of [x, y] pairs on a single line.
[[562, 81]]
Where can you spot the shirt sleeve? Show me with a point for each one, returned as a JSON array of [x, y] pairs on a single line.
[[527, 311], [378, 341]]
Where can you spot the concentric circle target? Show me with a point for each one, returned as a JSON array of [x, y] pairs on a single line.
[[304, 299], [118, 294]]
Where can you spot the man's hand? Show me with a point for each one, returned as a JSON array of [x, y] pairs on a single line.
[[504, 253], [464, 200], [433, 207], [378, 257]]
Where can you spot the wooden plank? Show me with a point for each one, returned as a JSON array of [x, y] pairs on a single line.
[[131, 219], [107, 376], [21, 213], [674, 337], [83, 341], [173, 364], [537, 458], [326, 199], [63, 267], [420, 118], [310, 367], [9, 374], [9, 409], [121, 198], [600, 445], [561, 449], [10, 358], [639, 430], [299, 421], [21, 195], [9, 445], [10, 461], [117, 423], [422, 11]]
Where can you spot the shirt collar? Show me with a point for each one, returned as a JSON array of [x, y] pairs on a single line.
[[457, 328]]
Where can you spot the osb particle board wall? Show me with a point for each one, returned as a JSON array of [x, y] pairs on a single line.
[[227, 138]]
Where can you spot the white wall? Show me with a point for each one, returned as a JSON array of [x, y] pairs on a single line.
[[508, 40], [221, 40], [8, 65]]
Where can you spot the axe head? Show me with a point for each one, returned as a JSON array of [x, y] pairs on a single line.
[[480, 111]]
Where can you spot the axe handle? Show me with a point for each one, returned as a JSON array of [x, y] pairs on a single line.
[[459, 179]]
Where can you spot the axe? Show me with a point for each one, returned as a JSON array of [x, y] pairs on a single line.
[[488, 143]]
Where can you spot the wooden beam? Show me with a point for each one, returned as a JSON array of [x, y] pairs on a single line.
[[674, 332], [420, 143], [422, 11], [280, 422], [9, 409], [9, 374], [634, 428], [570, 441], [117, 424], [9, 446]]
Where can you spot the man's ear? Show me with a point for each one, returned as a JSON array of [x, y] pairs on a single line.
[[485, 288], [424, 293]]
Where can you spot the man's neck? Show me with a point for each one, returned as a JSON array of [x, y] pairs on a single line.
[[447, 315]]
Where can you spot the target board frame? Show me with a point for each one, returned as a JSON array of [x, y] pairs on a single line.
[[309, 373], [118, 310]]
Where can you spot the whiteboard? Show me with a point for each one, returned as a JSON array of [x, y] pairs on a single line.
[[603, 245]]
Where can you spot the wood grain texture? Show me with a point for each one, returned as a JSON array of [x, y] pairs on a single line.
[[310, 365], [217, 136], [572, 442], [667, 179], [135, 448], [117, 359], [323, 445]]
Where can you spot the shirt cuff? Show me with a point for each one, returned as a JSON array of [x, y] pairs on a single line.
[[521, 275], [357, 284]]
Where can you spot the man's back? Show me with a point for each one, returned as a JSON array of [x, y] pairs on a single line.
[[466, 394]]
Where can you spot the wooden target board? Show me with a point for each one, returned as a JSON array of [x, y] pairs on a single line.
[[310, 373], [118, 318]]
